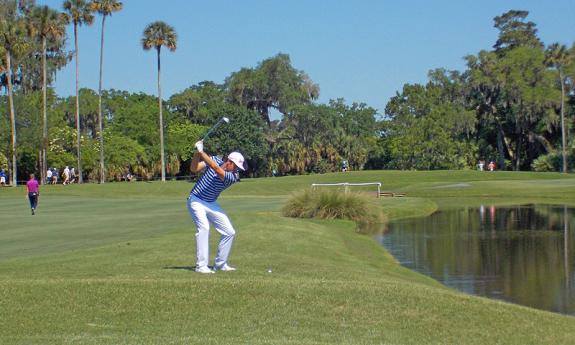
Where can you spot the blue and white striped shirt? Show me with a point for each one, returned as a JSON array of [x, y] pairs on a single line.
[[210, 185]]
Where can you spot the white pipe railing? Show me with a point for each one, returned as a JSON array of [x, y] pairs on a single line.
[[347, 184]]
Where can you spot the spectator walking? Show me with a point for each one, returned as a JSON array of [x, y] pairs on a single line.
[[72, 175], [49, 176], [33, 190], [66, 175], [54, 176], [491, 166], [2, 178]]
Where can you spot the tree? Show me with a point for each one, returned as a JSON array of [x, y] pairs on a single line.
[[78, 13], [13, 40], [183, 135], [29, 72], [512, 93], [29, 126], [426, 130], [124, 155], [245, 133], [134, 115], [156, 35], [47, 24], [514, 32], [104, 8], [325, 136], [485, 90], [195, 102], [529, 95], [273, 84], [557, 57]]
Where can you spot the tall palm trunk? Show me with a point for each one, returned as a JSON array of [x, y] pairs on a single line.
[[501, 144], [78, 141], [519, 143], [563, 136], [566, 246], [100, 104], [43, 164], [161, 121], [12, 118]]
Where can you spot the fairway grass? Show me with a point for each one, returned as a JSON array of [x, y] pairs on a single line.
[[113, 264]]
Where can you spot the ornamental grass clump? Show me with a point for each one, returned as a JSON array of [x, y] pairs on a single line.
[[359, 207]]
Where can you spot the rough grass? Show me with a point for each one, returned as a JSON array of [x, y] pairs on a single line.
[[360, 208]]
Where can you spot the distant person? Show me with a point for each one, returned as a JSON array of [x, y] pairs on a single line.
[[481, 165], [344, 166], [2, 178], [54, 176], [491, 166], [49, 176], [32, 188], [66, 175], [72, 175], [202, 206]]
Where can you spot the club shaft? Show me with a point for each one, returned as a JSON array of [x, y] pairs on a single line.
[[214, 127]]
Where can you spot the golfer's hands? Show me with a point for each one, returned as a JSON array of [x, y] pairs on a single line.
[[199, 146]]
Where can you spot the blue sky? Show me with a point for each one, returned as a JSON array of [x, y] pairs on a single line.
[[362, 50]]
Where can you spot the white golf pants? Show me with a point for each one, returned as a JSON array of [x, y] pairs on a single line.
[[203, 213]]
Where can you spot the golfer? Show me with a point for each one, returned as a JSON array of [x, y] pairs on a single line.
[[32, 188], [204, 209]]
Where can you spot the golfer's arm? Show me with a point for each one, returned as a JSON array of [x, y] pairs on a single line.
[[197, 165], [210, 162]]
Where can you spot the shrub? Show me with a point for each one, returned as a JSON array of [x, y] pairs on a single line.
[[545, 163], [553, 162], [361, 208]]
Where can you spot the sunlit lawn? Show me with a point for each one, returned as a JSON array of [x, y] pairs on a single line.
[[112, 264]]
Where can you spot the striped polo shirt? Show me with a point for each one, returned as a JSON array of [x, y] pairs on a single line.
[[210, 185]]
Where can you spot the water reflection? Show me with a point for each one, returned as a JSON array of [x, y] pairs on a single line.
[[523, 254]]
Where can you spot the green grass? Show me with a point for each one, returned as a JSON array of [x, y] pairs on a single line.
[[111, 264]]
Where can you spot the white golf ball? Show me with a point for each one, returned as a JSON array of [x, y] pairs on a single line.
[[269, 270]]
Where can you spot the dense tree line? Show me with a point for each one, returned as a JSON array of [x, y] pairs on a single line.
[[514, 104]]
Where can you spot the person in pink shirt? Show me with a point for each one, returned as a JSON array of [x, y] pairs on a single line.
[[33, 189]]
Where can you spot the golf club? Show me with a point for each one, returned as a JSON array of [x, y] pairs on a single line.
[[214, 127]]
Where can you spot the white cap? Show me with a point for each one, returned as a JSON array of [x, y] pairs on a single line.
[[238, 159]]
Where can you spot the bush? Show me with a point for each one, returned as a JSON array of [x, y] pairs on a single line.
[[361, 208], [545, 163], [553, 162]]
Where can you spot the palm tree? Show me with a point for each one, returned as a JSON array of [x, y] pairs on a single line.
[[78, 12], [13, 41], [156, 35], [557, 56], [104, 8], [46, 24]]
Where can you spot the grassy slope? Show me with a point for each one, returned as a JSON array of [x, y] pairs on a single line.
[[111, 264]]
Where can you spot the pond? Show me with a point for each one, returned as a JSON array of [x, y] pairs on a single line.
[[522, 254]]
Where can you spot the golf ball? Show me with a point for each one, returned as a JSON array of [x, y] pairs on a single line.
[[269, 270]]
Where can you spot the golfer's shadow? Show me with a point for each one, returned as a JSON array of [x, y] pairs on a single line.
[[186, 268]]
